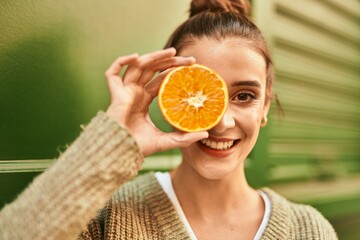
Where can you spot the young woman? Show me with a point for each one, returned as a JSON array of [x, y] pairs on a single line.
[[207, 195]]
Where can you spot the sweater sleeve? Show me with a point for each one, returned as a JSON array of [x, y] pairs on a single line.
[[60, 202]]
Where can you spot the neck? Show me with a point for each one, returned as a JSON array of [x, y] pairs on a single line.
[[200, 196]]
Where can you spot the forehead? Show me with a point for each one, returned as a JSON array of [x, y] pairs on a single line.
[[234, 59]]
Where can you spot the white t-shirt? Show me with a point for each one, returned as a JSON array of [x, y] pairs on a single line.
[[165, 181]]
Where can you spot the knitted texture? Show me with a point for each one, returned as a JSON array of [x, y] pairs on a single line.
[[138, 210], [61, 201], [141, 210], [290, 220]]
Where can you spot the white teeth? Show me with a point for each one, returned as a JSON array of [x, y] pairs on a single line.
[[217, 145]]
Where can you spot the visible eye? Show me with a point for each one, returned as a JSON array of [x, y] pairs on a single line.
[[244, 97]]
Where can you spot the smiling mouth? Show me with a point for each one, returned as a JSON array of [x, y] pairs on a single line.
[[223, 145]]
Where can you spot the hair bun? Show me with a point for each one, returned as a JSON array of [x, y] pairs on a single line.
[[234, 6]]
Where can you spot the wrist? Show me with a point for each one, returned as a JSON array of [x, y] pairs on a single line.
[[113, 113]]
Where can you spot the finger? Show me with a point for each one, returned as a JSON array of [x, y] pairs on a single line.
[[114, 85], [149, 73], [153, 86], [134, 71], [114, 81], [118, 64], [180, 139]]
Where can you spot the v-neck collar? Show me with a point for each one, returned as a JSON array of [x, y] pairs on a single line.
[[278, 226], [171, 226]]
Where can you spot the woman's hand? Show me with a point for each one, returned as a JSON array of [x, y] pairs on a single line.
[[132, 94]]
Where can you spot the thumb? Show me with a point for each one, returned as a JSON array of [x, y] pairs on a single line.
[[181, 139]]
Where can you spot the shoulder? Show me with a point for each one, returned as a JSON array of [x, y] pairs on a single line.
[[311, 220], [299, 219]]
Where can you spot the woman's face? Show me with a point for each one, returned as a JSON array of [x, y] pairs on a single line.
[[231, 141]]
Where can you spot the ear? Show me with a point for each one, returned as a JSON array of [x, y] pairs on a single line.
[[266, 110], [267, 105]]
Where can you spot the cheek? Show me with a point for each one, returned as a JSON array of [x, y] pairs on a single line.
[[249, 122], [250, 119]]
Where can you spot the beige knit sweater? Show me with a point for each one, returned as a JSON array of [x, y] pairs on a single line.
[[61, 202]]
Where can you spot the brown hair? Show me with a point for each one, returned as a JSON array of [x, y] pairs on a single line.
[[221, 19]]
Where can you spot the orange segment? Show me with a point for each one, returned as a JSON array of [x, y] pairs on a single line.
[[193, 98]]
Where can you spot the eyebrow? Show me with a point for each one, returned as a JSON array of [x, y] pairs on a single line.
[[246, 83]]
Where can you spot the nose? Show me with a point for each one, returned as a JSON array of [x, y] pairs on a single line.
[[227, 122]]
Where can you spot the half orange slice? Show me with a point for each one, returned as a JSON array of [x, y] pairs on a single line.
[[193, 98]]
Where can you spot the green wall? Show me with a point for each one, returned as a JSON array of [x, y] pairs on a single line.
[[313, 150]]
